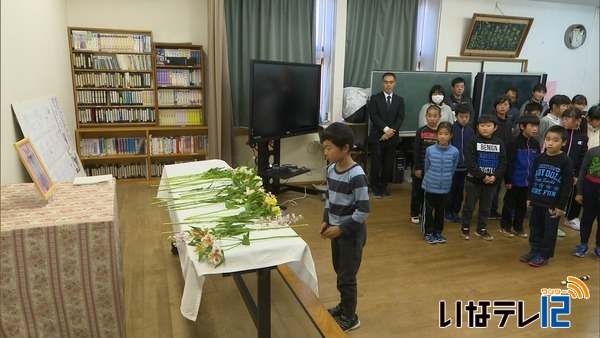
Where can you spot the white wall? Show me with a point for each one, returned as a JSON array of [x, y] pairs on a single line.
[[576, 71], [169, 20], [34, 62]]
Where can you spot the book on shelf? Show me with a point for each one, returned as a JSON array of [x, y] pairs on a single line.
[[112, 146], [119, 171], [178, 57], [179, 97], [116, 115], [180, 117], [188, 144]]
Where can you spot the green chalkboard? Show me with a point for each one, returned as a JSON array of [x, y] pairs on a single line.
[[414, 88]]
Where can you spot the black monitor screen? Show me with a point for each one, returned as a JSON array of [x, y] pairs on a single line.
[[284, 98]]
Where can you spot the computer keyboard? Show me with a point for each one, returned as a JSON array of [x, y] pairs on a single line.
[[286, 171]]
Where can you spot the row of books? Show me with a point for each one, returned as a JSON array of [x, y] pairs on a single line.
[[113, 80], [178, 144], [156, 168], [111, 42], [129, 170], [178, 77], [106, 97], [179, 97], [112, 146], [178, 57], [113, 61], [119, 171], [116, 115], [180, 117]]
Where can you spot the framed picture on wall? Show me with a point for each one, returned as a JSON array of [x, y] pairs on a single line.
[[35, 168], [496, 35]]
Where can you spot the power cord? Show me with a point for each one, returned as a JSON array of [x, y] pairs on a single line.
[[293, 200]]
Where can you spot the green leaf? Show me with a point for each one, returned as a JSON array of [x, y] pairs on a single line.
[[246, 239]]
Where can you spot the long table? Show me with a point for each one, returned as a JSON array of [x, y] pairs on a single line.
[[259, 257], [61, 266]]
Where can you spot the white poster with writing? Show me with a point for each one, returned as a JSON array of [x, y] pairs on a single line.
[[43, 121]]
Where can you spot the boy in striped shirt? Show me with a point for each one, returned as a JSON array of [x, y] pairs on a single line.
[[346, 210]]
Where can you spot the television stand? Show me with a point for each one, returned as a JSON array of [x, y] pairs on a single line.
[[272, 173]]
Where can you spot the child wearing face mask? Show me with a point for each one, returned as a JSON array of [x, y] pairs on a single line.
[[436, 96]]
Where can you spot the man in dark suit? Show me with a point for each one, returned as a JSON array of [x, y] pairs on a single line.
[[386, 111]]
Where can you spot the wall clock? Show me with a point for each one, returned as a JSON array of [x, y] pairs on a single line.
[[575, 36]]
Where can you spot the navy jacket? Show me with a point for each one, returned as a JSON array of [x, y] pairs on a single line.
[[460, 139], [576, 147], [504, 130], [520, 153]]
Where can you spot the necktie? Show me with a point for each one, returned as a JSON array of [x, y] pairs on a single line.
[[389, 102]]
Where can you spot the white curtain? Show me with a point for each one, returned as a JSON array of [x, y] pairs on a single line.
[[324, 21]]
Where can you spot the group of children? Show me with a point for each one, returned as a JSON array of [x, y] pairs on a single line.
[[550, 173], [545, 165]]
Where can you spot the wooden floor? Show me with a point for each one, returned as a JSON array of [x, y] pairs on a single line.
[[401, 281]]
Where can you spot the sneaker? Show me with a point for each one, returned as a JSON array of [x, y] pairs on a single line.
[[465, 234], [484, 234], [580, 250], [377, 196], [560, 233], [415, 220], [439, 238], [335, 311], [573, 224], [347, 324], [386, 194], [448, 217], [597, 252], [456, 217], [526, 258], [506, 233], [430, 238], [494, 215], [538, 261], [520, 233]]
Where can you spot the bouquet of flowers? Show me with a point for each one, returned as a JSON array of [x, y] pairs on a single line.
[[239, 188]]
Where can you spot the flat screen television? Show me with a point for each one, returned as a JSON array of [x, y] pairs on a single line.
[[285, 99]]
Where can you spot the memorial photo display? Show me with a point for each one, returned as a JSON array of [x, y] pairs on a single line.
[[35, 167]]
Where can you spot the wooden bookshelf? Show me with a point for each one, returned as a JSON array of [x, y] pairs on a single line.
[[181, 134], [179, 84], [139, 105]]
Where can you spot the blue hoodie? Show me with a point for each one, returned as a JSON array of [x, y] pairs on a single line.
[[460, 139]]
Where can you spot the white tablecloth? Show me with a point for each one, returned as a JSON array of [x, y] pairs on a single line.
[[259, 254]]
